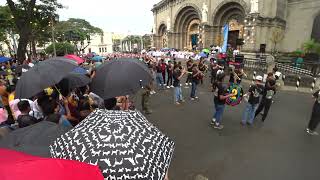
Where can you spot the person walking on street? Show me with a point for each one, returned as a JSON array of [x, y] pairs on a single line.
[[220, 96], [177, 75], [159, 76], [254, 97], [268, 93], [163, 72], [170, 72], [196, 76], [189, 69], [315, 116]]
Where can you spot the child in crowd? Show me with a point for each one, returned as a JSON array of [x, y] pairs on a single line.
[[24, 119]]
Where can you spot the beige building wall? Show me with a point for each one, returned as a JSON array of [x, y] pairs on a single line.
[[300, 17]]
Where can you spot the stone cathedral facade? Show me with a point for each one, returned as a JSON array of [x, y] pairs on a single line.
[[184, 24]]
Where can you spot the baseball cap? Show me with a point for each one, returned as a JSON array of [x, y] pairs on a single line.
[[259, 78]]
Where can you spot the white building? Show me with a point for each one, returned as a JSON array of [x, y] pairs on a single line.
[[101, 45]]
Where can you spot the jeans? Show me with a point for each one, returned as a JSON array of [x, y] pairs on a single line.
[[219, 109], [159, 79], [193, 90], [177, 94], [249, 112]]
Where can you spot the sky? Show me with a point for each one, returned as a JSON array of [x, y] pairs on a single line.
[[120, 16]]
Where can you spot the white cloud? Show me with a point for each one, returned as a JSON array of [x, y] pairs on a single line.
[[112, 15]]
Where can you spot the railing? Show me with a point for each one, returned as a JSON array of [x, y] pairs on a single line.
[[256, 64]]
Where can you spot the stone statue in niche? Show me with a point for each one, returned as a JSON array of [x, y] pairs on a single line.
[[204, 13], [254, 6], [168, 24]]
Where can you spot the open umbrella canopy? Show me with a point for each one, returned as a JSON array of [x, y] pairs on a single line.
[[43, 75], [120, 77], [97, 58], [207, 51], [19, 166], [80, 70], [4, 59], [122, 143], [33, 139], [74, 58], [203, 54], [75, 80]]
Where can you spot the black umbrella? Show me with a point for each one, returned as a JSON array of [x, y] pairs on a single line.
[[34, 139], [43, 75], [75, 80], [120, 77], [122, 143]]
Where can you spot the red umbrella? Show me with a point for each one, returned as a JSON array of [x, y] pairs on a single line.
[[75, 58], [20, 166]]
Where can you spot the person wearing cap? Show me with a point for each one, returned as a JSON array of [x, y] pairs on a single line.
[[220, 96], [254, 97], [268, 93]]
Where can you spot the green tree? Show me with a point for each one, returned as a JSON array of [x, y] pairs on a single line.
[[62, 48], [311, 46], [24, 13], [76, 31], [7, 26]]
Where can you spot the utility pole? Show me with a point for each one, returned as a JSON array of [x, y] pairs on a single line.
[[53, 40]]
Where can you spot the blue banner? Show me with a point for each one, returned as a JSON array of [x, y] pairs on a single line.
[[225, 38]]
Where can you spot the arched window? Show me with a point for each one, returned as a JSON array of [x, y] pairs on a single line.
[[316, 29]]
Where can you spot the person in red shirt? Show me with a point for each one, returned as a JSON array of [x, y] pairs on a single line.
[[163, 71]]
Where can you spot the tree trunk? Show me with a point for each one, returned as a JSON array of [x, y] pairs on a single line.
[[22, 47], [34, 49]]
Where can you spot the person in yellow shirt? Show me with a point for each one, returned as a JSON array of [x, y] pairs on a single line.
[[5, 101]]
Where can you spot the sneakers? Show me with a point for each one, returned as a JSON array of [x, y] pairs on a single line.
[[172, 86], [182, 101], [168, 87], [190, 84], [213, 121], [187, 84], [192, 99], [177, 103], [152, 92], [312, 133], [196, 97], [218, 126]]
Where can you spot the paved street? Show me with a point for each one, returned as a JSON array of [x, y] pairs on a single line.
[[279, 149]]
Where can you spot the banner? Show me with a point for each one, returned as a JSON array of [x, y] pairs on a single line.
[[225, 38]]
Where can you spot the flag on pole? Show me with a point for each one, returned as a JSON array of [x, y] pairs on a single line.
[[225, 38]]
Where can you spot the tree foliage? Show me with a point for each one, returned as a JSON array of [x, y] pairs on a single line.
[[312, 46], [62, 48], [76, 30], [26, 15]]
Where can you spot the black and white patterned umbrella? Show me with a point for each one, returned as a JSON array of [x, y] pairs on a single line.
[[122, 143]]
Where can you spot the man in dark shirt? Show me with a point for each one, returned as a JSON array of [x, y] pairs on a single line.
[[268, 93], [254, 97], [195, 79], [220, 97], [177, 75], [315, 116], [24, 119]]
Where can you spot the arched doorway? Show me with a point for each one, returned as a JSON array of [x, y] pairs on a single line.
[[162, 33], [186, 27], [233, 14], [316, 29]]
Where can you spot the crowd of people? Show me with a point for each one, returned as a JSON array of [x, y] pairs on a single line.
[[68, 107]]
